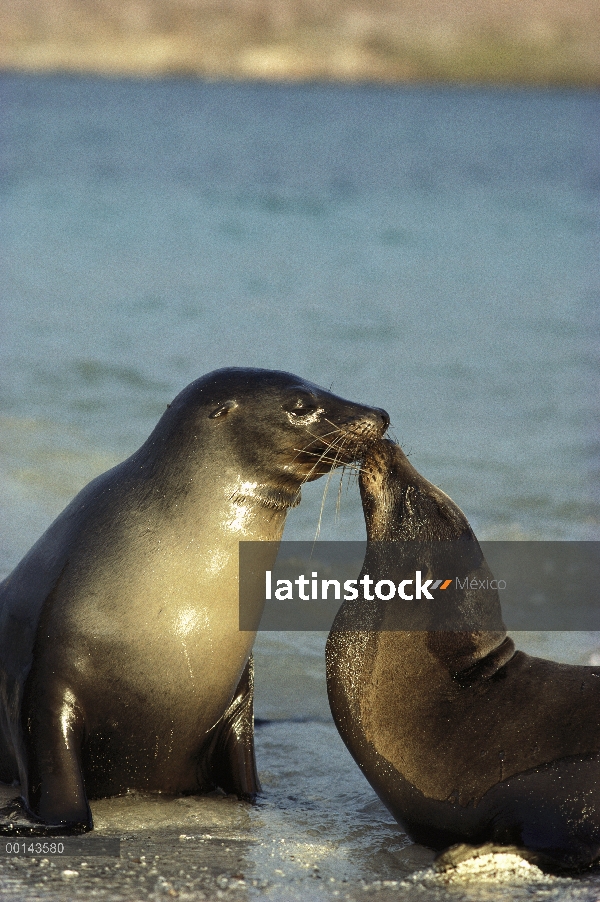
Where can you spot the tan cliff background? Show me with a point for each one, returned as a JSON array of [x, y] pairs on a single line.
[[550, 42]]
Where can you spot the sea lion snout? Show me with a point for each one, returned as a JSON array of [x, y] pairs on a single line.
[[366, 427], [376, 419], [385, 462], [381, 485], [329, 431], [401, 505]]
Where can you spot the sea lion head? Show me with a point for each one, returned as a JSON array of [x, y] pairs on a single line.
[[411, 524], [401, 505], [272, 430]]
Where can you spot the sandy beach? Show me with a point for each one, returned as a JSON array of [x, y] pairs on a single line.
[[467, 41]]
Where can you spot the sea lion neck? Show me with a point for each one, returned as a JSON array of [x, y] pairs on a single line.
[[414, 526], [269, 497]]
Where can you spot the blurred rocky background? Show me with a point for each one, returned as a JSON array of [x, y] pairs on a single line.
[[553, 42]]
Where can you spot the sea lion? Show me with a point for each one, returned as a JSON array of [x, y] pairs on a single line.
[[122, 666], [463, 738]]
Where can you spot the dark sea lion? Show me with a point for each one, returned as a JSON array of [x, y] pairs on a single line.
[[122, 666], [464, 739]]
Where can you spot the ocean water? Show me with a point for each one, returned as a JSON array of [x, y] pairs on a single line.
[[433, 251]]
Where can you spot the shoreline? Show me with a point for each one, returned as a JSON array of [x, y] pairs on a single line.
[[312, 57]]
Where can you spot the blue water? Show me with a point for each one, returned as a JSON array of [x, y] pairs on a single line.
[[433, 251]]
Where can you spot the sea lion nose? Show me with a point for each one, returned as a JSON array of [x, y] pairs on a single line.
[[373, 420], [379, 418], [385, 418]]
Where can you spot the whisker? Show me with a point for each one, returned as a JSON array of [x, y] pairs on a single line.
[[338, 500], [353, 477], [345, 432], [350, 436], [353, 467], [333, 463], [337, 441], [316, 438], [333, 443], [320, 438], [318, 530], [322, 506], [322, 456]]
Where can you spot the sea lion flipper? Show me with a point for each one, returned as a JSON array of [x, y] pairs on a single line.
[[454, 856], [16, 820], [53, 788], [231, 758]]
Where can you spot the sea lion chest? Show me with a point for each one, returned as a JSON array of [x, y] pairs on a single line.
[[154, 618]]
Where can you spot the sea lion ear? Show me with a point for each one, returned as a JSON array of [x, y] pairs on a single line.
[[222, 410]]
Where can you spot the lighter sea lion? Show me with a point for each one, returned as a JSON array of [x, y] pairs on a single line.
[[122, 666], [464, 739]]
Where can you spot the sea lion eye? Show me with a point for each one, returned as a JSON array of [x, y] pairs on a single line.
[[300, 406], [222, 410]]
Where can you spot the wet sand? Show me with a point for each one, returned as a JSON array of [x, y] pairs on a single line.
[[283, 848]]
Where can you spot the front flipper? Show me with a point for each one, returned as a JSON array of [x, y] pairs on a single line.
[[16, 820], [456, 855], [228, 761], [52, 781]]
